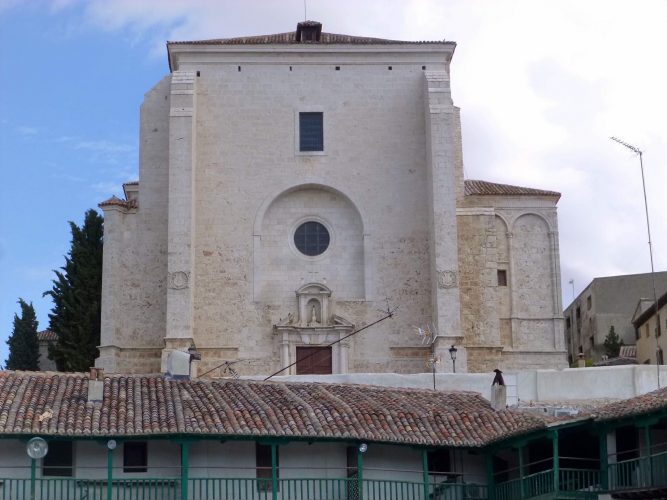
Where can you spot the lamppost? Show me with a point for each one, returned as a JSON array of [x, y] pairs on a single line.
[[638, 152], [452, 353], [36, 449]]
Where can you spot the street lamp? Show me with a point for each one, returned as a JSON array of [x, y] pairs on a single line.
[[638, 152], [36, 449], [452, 353]]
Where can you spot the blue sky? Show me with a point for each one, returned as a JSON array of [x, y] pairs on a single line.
[[541, 85]]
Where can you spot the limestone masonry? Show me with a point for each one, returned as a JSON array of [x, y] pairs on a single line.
[[290, 184]]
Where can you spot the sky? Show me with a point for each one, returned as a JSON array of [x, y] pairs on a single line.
[[541, 85]]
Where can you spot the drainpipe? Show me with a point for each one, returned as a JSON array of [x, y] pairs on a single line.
[[185, 467], [425, 472], [274, 472]]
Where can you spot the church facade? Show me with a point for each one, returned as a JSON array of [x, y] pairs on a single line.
[[293, 185]]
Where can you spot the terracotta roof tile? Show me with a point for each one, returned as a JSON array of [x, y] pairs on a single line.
[[290, 38], [136, 405], [114, 201], [640, 405], [47, 335], [482, 188]]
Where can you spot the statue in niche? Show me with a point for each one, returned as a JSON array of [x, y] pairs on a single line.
[[314, 313]]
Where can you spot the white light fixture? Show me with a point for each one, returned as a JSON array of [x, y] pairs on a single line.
[[111, 444], [363, 448], [37, 448]]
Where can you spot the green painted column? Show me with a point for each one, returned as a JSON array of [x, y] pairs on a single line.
[[522, 473], [649, 458], [604, 461], [33, 476], [425, 472], [185, 469], [360, 474], [556, 459], [490, 477], [274, 472], [109, 474]]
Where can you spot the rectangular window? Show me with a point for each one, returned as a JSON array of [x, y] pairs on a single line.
[[568, 323], [59, 460], [135, 456], [502, 277], [589, 303], [311, 131], [263, 464]]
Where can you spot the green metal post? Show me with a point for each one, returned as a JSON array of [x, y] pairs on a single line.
[[33, 474], [360, 474], [109, 474], [556, 458], [185, 469], [647, 442], [425, 472], [521, 473], [490, 477], [274, 472], [604, 462]]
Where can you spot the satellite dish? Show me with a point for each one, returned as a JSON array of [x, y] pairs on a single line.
[[37, 448]]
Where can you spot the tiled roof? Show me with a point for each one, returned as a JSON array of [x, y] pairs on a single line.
[[47, 335], [51, 403], [114, 201], [640, 405], [290, 38], [483, 188]]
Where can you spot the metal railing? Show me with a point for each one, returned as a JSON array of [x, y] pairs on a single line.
[[643, 472], [214, 488], [572, 483]]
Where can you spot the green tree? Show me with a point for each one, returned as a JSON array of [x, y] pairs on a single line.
[[612, 343], [23, 343], [77, 298]]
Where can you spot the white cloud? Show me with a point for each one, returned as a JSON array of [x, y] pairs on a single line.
[[104, 146], [27, 131]]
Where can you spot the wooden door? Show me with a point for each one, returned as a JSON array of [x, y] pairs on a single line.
[[313, 360]]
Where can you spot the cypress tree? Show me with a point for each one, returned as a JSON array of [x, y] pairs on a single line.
[[23, 343], [77, 298]]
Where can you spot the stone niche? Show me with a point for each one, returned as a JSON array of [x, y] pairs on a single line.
[[314, 324]]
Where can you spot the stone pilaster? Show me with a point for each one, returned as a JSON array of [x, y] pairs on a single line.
[[181, 225], [112, 281], [443, 157]]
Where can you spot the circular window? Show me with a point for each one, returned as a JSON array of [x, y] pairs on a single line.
[[311, 238]]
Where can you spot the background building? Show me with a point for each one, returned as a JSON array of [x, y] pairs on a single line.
[[289, 185], [650, 350], [605, 302]]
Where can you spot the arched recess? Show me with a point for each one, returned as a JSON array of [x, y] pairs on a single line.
[[533, 281], [279, 268]]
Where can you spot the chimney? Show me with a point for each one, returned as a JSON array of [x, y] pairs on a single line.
[[179, 363], [498, 391], [95, 385], [308, 31]]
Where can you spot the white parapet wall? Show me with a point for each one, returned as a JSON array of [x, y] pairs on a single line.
[[570, 384]]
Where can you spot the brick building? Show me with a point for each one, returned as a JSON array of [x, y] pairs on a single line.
[[289, 184]]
